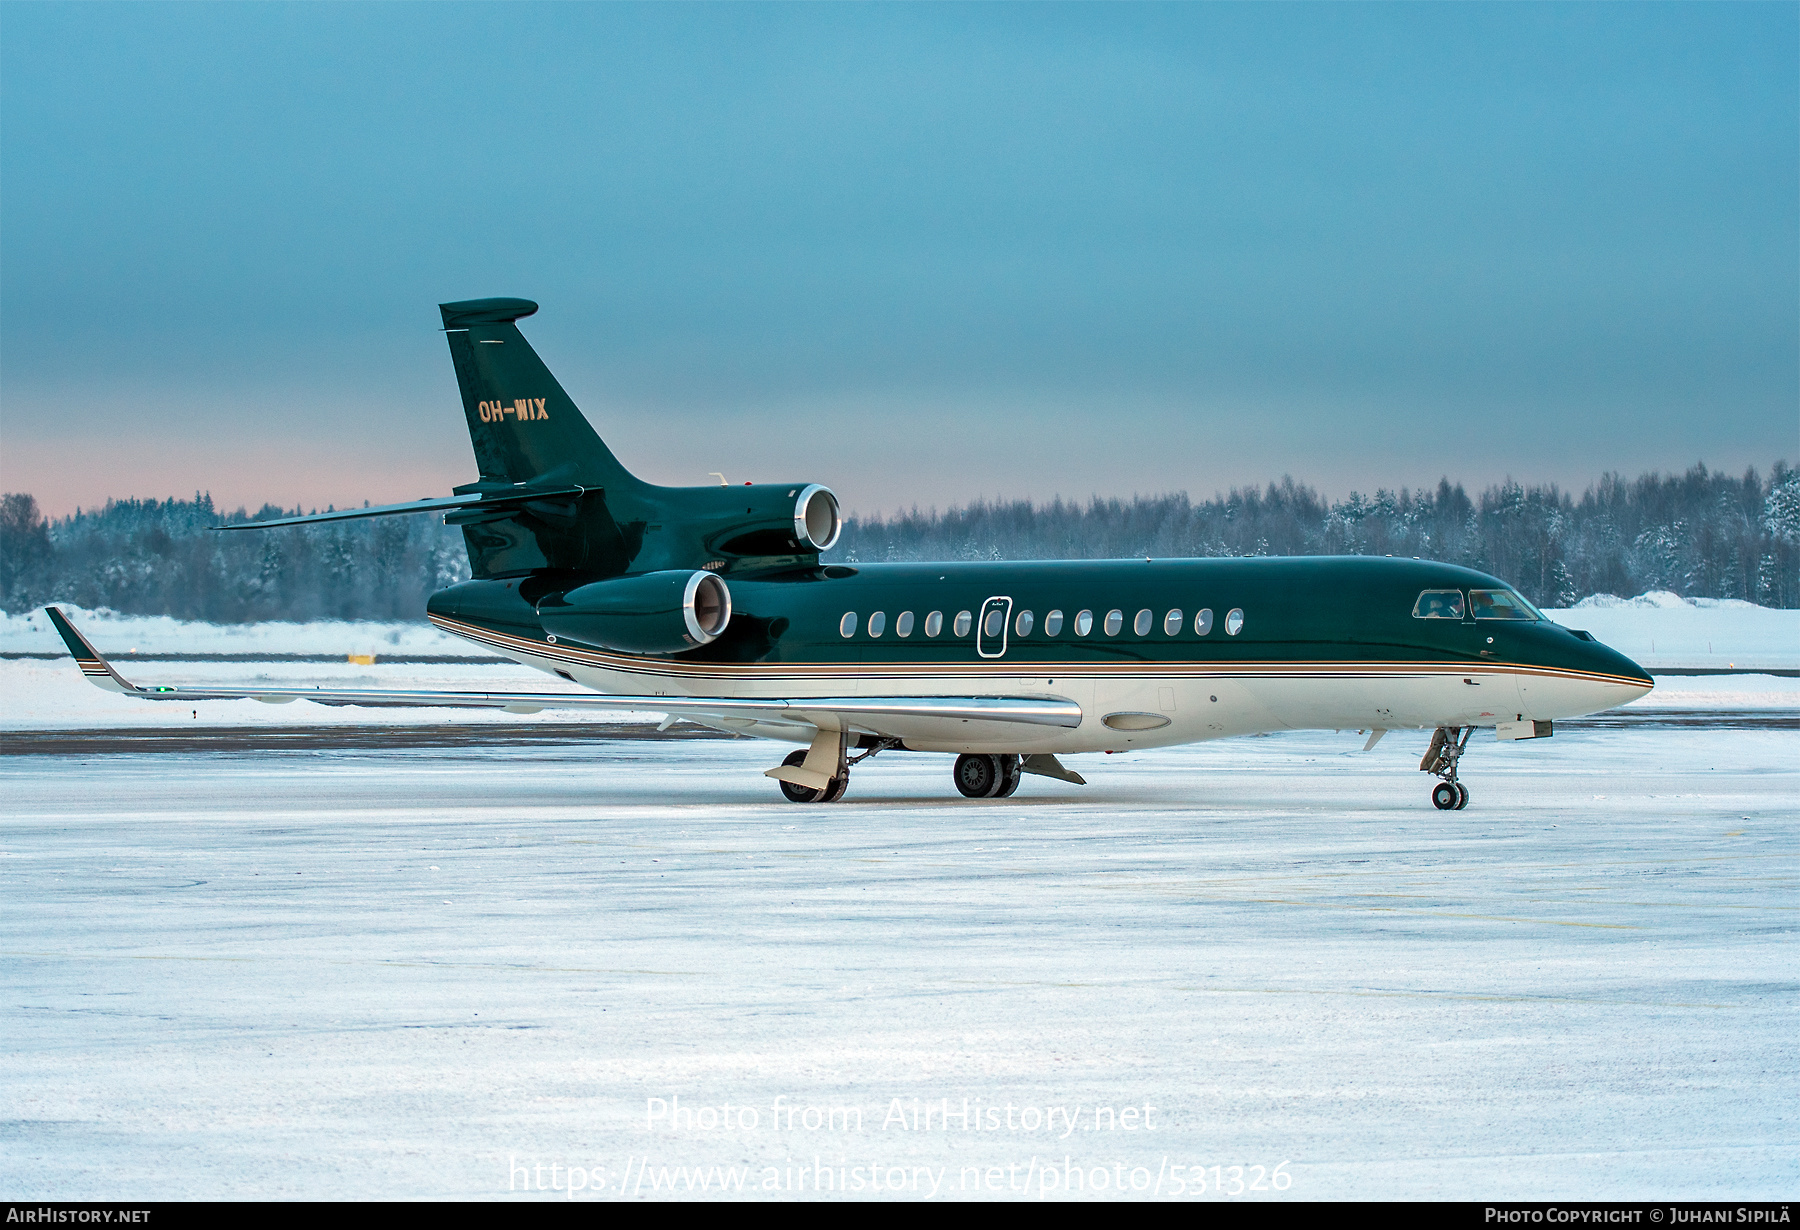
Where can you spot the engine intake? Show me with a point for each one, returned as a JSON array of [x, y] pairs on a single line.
[[816, 519], [651, 612]]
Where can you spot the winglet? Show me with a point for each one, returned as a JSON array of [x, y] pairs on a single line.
[[99, 672]]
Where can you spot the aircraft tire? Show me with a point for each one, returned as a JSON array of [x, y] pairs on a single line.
[[978, 776], [1011, 774], [802, 794], [1462, 796], [1444, 796]]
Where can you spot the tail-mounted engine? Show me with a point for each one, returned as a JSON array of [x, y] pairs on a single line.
[[714, 526], [649, 612]]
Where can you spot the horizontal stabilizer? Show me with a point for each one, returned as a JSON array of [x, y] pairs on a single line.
[[500, 500]]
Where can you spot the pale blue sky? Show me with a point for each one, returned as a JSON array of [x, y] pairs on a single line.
[[920, 253]]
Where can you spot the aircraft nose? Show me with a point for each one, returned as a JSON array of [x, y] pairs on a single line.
[[1591, 679], [1622, 666], [1629, 680]]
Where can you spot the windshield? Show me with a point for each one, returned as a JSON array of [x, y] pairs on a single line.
[[1500, 604], [1439, 604]]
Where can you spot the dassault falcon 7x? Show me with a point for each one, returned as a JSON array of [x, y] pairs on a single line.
[[712, 604]]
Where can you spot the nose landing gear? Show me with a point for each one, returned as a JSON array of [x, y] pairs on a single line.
[[1447, 745], [1449, 796]]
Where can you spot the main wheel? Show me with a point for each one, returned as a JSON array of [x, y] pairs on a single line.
[[1444, 796], [1462, 796], [806, 794], [1011, 774], [977, 776]]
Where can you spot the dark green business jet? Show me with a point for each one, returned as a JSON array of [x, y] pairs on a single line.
[[711, 604]]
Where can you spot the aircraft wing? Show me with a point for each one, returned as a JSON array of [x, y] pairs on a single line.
[[878, 715]]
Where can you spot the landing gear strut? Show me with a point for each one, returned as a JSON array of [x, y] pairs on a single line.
[[1447, 746], [987, 776]]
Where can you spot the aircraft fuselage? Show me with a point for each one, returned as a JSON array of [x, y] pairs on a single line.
[[1156, 652]]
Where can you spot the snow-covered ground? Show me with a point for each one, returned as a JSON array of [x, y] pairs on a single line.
[[1664, 630], [459, 974], [1655, 630]]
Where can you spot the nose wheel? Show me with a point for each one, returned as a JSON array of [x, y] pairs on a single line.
[[1449, 796], [1447, 746]]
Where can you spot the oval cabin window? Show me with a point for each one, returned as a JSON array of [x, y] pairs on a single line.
[[904, 625], [1203, 622], [1022, 625], [847, 625], [1172, 623], [964, 621], [1115, 620], [878, 623], [1141, 625], [934, 623], [1084, 623], [1234, 622], [1053, 623], [996, 620]]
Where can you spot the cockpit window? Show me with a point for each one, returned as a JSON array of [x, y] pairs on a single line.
[[1439, 604], [1500, 604]]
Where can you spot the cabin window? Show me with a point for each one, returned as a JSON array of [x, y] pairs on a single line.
[[903, 626], [1053, 623], [878, 623], [1022, 625], [1234, 621], [1500, 604], [1084, 623], [934, 623], [847, 625], [964, 621], [996, 620], [1141, 625], [1203, 622], [1172, 623], [1439, 604], [1114, 621]]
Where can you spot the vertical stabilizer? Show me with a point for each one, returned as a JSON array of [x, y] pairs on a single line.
[[522, 424]]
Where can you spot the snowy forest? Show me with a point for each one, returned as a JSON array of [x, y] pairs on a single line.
[[1700, 534]]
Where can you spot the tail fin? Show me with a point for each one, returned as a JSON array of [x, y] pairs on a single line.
[[522, 424]]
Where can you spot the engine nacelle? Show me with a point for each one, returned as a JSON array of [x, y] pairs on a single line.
[[769, 519], [650, 612]]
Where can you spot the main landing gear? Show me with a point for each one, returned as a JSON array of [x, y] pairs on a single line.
[[987, 777], [1447, 746], [806, 794], [834, 789]]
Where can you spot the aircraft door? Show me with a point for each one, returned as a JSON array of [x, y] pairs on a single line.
[[991, 628]]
